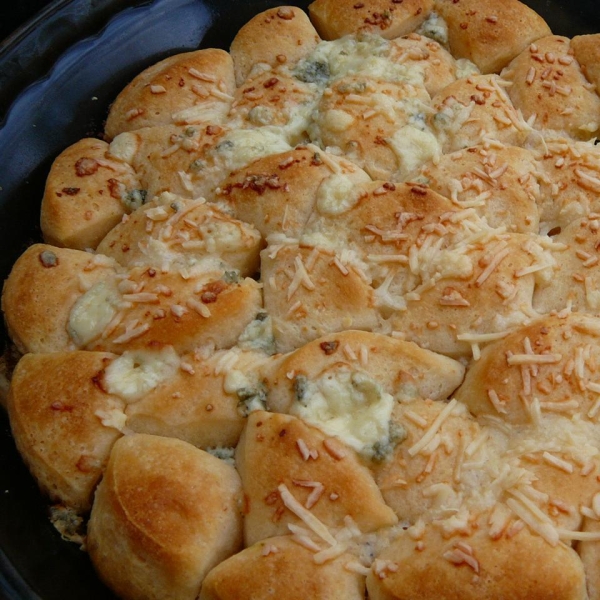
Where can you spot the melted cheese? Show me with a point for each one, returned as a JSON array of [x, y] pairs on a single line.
[[348, 405], [92, 313], [337, 194], [135, 373]]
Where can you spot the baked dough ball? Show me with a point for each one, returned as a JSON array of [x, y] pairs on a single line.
[[476, 109], [403, 369], [586, 50], [575, 275], [278, 193], [290, 36], [387, 18], [164, 514], [550, 89], [423, 476], [569, 176], [204, 403], [190, 87], [378, 124], [309, 293], [295, 475], [63, 422], [475, 567], [175, 230], [86, 195], [171, 158], [546, 367], [376, 222], [500, 183], [422, 54], [281, 567], [274, 99], [149, 307], [40, 291], [191, 161], [491, 33], [487, 292]]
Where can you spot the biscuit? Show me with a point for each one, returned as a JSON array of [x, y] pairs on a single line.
[[40, 291], [283, 463], [309, 293], [585, 49], [291, 37], [474, 567], [501, 183], [205, 403], [475, 109], [387, 18], [287, 570], [189, 87], [403, 369], [278, 193], [64, 423], [491, 33], [550, 89], [163, 541], [86, 195], [171, 229]]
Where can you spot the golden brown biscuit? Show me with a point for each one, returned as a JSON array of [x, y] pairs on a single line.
[[185, 89], [295, 474], [64, 423], [421, 53], [40, 291], [475, 567], [550, 89], [205, 403], [191, 161], [586, 50], [278, 193], [487, 292], [403, 369], [569, 176], [309, 292], [279, 36], [547, 367], [575, 275], [388, 18], [170, 158], [282, 568], [426, 481], [164, 514], [171, 229], [500, 183], [379, 125], [490, 33], [86, 195], [377, 221], [184, 308], [474, 110]]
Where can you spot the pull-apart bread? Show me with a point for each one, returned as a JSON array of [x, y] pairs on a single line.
[[319, 317]]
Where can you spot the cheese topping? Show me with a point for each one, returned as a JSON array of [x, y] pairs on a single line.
[[136, 373], [347, 405]]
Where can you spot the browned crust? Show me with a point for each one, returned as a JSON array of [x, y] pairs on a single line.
[[177, 83], [161, 542], [281, 35], [54, 405], [490, 33], [388, 18], [85, 195]]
